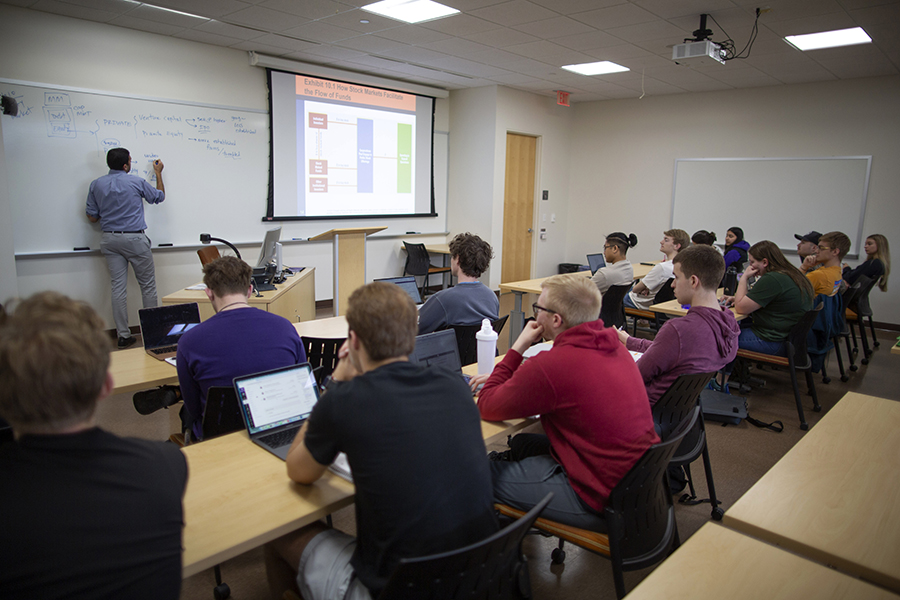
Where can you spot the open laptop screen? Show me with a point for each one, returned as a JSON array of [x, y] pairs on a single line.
[[438, 348], [164, 325], [408, 284], [596, 261], [276, 398]]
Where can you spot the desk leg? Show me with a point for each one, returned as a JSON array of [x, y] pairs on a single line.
[[516, 319], [446, 277]]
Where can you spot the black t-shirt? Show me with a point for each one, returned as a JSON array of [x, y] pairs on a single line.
[[413, 438], [90, 515]]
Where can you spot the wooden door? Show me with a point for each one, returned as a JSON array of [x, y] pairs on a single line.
[[518, 207]]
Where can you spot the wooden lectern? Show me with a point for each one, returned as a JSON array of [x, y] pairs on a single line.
[[349, 261]]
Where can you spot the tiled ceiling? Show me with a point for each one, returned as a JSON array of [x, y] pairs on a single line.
[[523, 43]]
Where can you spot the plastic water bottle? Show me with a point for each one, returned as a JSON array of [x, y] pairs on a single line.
[[487, 347]]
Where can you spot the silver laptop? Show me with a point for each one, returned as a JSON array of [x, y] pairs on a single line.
[[408, 284], [438, 348], [274, 405], [162, 327], [596, 262]]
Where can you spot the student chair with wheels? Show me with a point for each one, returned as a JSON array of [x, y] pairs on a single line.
[[639, 515], [418, 263]]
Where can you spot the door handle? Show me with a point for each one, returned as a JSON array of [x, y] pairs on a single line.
[[529, 230]]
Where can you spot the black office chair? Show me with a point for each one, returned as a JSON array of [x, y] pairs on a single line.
[[664, 294], [639, 515], [797, 359], [493, 569], [418, 263], [611, 309], [855, 314], [848, 297], [322, 355], [466, 342], [668, 413]]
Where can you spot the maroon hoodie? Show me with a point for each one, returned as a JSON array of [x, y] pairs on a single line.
[[703, 341]]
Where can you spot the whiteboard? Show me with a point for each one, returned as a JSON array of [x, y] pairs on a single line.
[[216, 165], [772, 198]]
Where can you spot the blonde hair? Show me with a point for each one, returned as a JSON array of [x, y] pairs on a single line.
[[384, 318], [54, 356], [574, 297], [680, 237], [884, 255]]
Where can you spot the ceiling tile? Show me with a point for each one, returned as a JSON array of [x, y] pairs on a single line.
[[370, 43], [321, 32], [880, 22], [164, 16], [515, 12], [334, 53], [614, 16], [568, 7], [310, 9], [815, 24], [414, 54], [666, 9], [203, 8], [145, 25], [351, 20], [205, 37], [287, 43], [113, 6], [413, 34], [588, 41], [71, 10], [257, 46], [497, 58], [500, 38], [264, 18], [459, 25], [234, 31], [458, 47], [555, 28], [781, 10], [649, 31]]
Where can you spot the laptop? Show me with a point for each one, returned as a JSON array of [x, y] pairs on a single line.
[[408, 284], [274, 405], [596, 262], [438, 348], [162, 327]]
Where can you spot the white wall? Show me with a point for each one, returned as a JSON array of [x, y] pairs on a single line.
[[50, 49], [623, 153]]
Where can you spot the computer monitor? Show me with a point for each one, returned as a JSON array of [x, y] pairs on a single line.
[[267, 252]]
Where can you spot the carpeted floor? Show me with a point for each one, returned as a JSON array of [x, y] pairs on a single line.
[[740, 455]]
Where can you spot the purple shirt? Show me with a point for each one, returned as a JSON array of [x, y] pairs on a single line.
[[703, 341], [230, 344]]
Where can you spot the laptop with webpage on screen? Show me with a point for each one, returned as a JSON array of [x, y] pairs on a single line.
[[162, 327], [408, 284], [596, 262], [274, 405]]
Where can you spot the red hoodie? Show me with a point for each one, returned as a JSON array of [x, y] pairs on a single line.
[[592, 402]]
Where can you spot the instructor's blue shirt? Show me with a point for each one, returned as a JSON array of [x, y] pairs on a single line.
[[116, 199]]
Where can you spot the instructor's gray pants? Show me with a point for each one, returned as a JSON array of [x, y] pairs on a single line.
[[120, 249]]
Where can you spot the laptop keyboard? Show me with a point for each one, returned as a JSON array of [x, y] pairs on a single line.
[[280, 438], [164, 349]]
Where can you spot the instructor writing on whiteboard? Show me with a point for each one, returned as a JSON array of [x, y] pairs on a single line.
[[115, 201]]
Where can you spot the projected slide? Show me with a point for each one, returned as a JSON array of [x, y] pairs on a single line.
[[346, 150], [352, 155]]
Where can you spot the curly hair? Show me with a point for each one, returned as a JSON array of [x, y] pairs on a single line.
[[473, 253]]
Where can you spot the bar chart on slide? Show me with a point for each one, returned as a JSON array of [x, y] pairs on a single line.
[[352, 153]]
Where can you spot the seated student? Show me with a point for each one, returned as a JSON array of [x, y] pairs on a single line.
[[83, 513], [807, 245], [704, 237], [735, 249], [413, 440], [643, 294], [469, 301], [239, 339], [618, 271], [591, 400], [703, 341], [779, 298], [827, 278], [877, 264]]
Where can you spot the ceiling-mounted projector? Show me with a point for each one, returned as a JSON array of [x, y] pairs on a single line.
[[698, 53]]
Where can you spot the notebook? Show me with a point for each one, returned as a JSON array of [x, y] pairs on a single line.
[[438, 348], [408, 284], [162, 327], [274, 405], [595, 262]]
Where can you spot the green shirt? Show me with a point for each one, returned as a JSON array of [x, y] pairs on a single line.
[[781, 304]]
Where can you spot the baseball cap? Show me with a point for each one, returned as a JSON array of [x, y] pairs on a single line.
[[812, 236]]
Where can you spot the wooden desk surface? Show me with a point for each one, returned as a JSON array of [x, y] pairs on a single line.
[[835, 496], [264, 297], [331, 327], [437, 248], [134, 370], [533, 286], [673, 307], [719, 563], [239, 497]]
